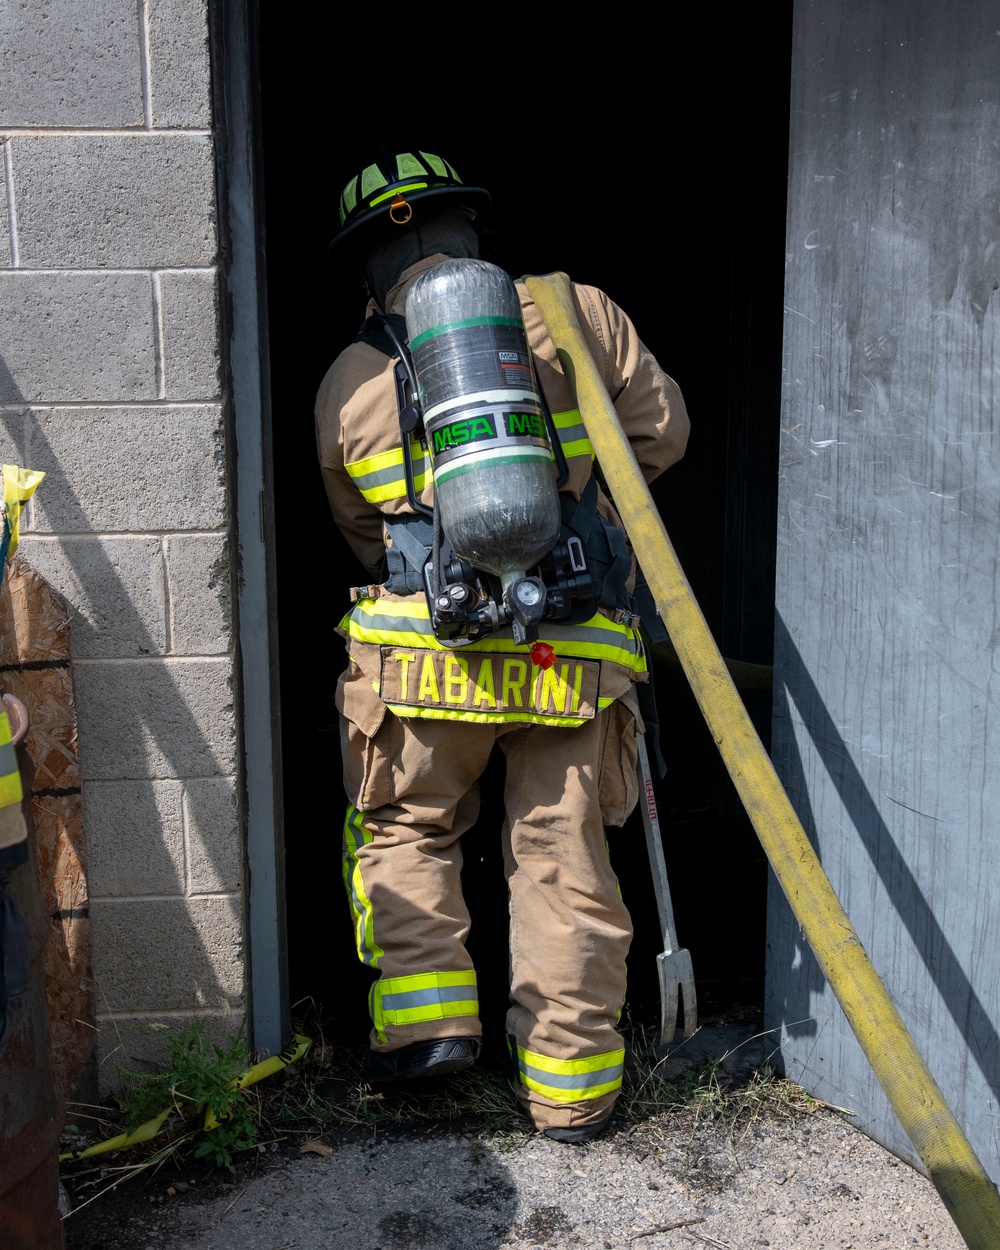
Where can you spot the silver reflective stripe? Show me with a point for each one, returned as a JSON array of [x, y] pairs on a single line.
[[572, 1080], [385, 477], [430, 997], [385, 623], [8, 759], [612, 636], [572, 433]]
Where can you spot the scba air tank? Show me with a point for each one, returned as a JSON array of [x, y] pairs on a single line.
[[494, 477]]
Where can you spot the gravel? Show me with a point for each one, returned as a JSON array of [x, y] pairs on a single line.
[[784, 1181]]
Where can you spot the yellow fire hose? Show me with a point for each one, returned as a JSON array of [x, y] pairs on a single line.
[[951, 1163], [148, 1130]]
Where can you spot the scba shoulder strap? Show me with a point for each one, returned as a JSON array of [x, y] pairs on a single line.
[[373, 332]]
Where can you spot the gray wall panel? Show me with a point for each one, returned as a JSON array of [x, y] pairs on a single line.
[[887, 711]]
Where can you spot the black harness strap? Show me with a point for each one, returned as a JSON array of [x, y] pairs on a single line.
[[373, 332]]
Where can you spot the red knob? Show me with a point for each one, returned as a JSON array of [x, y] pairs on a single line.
[[542, 655]]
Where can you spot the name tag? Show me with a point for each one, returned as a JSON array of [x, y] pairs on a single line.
[[488, 682]]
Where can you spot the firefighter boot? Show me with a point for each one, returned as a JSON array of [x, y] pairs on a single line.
[[436, 1057]]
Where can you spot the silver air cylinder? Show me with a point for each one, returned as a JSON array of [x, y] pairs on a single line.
[[494, 477]]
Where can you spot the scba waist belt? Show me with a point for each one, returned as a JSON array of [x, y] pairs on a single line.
[[491, 683]]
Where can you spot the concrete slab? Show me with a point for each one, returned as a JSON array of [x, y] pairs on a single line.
[[213, 835], [158, 468], [114, 201], [158, 954], [135, 838], [155, 718], [116, 590], [76, 336], [189, 315], [68, 64], [198, 578], [178, 63]]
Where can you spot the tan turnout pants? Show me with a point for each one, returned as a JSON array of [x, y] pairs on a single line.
[[412, 785]]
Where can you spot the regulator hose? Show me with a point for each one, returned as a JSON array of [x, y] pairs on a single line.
[[952, 1165]]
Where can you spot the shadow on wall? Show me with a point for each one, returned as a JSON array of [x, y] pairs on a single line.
[[909, 902], [158, 794]]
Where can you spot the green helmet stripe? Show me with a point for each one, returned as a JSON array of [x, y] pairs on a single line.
[[436, 163], [371, 179], [349, 199], [407, 166]]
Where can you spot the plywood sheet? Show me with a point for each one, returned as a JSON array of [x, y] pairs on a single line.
[[887, 708], [35, 666]]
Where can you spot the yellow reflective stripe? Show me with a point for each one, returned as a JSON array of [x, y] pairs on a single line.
[[381, 477], [489, 718], [371, 464], [410, 186], [572, 434], [571, 1080], [580, 447], [10, 789], [381, 623], [356, 835], [396, 489], [422, 997], [10, 777], [446, 1011]]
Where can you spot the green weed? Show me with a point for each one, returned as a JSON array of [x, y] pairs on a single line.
[[193, 1075]]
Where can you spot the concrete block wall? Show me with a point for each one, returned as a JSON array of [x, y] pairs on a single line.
[[109, 381]]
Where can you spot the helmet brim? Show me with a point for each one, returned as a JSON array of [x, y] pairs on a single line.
[[358, 238]]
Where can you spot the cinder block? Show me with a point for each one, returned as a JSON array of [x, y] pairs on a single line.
[[178, 60], [76, 336], [161, 954], [140, 1043], [213, 841], [116, 590], [115, 201], [135, 838], [188, 307], [13, 436], [63, 63], [199, 588], [128, 469], [155, 718]]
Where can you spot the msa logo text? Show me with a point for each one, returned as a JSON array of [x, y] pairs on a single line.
[[458, 433], [524, 423]]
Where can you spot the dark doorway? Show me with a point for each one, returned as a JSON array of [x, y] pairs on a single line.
[[661, 179]]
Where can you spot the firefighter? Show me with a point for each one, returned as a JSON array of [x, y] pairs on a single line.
[[420, 719]]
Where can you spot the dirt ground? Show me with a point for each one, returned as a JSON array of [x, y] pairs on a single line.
[[804, 1181], [752, 1165]]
